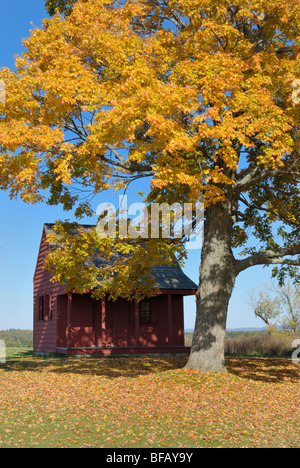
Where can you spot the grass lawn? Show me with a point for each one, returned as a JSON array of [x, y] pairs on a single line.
[[147, 402]]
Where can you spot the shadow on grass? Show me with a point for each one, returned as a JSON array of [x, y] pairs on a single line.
[[109, 367], [261, 369], [266, 369]]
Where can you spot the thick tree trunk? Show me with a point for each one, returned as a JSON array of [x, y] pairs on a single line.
[[217, 278]]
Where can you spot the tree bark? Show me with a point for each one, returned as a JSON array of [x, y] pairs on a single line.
[[217, 278]]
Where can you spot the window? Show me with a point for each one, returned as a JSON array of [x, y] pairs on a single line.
[[45, 309], [145, 312]]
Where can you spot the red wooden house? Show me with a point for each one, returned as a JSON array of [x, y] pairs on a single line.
[[74, 324]]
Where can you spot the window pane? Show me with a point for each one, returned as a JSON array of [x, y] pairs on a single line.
[[145, 312], [41, 307]]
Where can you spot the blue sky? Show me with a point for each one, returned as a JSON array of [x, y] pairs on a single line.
[[21, 225]]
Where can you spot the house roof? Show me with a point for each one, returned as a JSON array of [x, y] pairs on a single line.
[[166, 276]]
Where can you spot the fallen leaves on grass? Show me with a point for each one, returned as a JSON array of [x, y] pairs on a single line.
[[147, 402]]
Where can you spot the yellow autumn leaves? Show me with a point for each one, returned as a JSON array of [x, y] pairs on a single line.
[[134, 79], [147, 402]]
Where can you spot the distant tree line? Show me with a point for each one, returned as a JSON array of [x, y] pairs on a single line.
[[17, 338]]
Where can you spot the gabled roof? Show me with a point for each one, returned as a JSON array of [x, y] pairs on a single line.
[[167, 277]]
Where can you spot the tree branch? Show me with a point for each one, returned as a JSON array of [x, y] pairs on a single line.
[[143, 170], [251, 176], [277, 214], [270, 257], [117, 155]]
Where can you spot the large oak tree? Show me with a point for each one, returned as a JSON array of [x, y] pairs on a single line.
[[195, 94]]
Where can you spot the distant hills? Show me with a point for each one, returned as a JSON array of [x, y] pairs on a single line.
[[249, 329], [17, 338], [246, 329]]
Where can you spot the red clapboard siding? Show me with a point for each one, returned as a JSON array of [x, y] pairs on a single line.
[[44, 331]]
